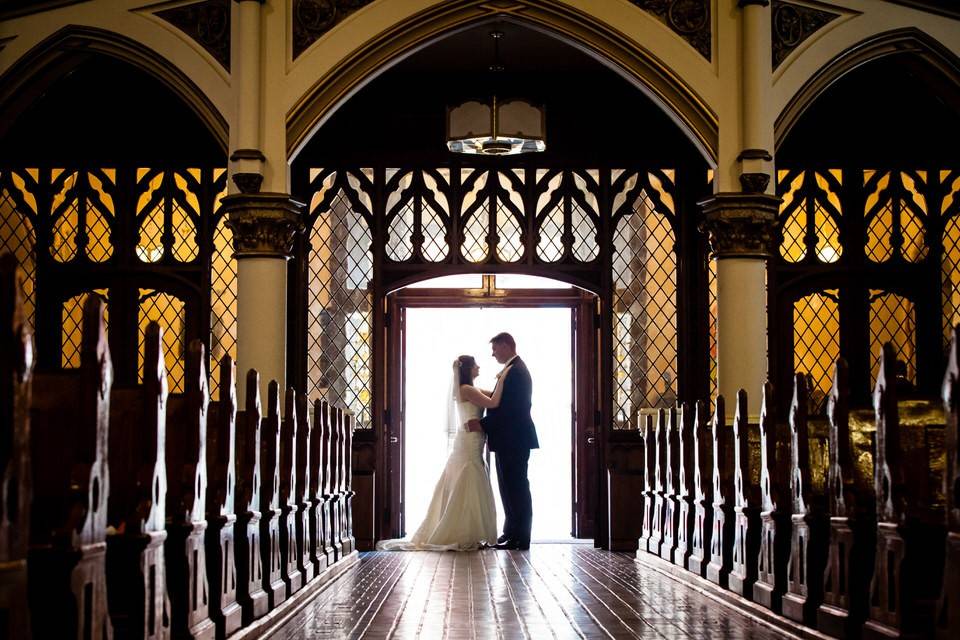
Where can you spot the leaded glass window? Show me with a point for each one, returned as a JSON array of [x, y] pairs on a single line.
[[167, 311], [895, 213], [18, 236], [71, 326], [810, 214], [816, 342], [892, 319]]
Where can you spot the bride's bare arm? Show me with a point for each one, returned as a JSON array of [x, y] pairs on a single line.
[[474, 395]]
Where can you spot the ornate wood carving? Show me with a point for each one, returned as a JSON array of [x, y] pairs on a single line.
[[746, 506], [318, 521], [686, 491], [333, 460], [348, 541], [313, 18], [289, 571], [703, 487], [649, 452], [670, 441], [270, 498], [774, 518], [721, 540], [250, 593], [71, 490], [136, 574], [689, 19], [303, 477], [208, 23], [791, 24], [16, 374], [659, 481], [948, 615], [221, 518], [186, 501]]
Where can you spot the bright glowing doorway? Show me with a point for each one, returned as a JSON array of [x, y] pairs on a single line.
[[434, 338]]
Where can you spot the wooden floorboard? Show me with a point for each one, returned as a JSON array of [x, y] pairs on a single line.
[[551, 591]]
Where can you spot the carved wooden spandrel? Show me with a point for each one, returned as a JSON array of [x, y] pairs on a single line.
[[225, 611], [774, 552], [186, 451], [686, 492], [670, 440], [136, 566], [302, 479], [703, 488], [270, 498], [250, 594], [289, 571], [16, 375], [746, 506], [721, 474]]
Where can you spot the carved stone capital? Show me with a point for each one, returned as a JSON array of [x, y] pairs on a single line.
[[741, 225], [264, 225]]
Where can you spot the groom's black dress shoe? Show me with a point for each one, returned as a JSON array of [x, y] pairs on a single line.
[[503, 538], [513, 545]]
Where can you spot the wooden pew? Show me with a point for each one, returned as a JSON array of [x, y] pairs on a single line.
[[670, 441], [322, 551], [721, 539], [250, 594], [69, 435], [703, 491], [846, 578], [270, 498], [186, 460], [16, 375], [221, 518], [686, 491], [909, 548], [649, 452], [302, 487], [659, 482], [774, 517], [333, 495], [746, 507], [289, 571], [948, 607], [808, 532], [348, 541], [136, 569]]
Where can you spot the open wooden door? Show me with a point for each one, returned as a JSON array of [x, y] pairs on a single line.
[[586, 440], [394, 418]]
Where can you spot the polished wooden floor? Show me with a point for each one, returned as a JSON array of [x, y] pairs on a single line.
[[553, 590]]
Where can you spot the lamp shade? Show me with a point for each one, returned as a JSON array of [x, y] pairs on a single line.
[[496, 128]]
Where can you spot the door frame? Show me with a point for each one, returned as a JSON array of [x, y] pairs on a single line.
[[586, 452]]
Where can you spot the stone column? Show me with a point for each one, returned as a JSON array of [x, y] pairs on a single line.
[[264, 226], [757, 124], [246, 158], [743, 230]]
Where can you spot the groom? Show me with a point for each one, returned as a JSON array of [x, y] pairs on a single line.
[[511, 435]]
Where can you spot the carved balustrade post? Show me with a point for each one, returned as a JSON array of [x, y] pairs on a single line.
[[318, 539], [849, 555], [270, 498], [349, 542], [69, 436], [221, 518], [250, 594], [302, 479], [686, 491], [948, 615], [659, 484], [807, 528], [746, 506], [703, 492], [136, 575], [649, 452], [774, 518], [326, 507], [721, 539], [186, 501], [289, 571], [335, 479], [16, 374], [342, 455], [670, 441]]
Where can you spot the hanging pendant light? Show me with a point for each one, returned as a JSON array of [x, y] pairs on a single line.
[[496, 128]]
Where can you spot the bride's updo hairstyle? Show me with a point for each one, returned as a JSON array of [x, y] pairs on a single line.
[[466, 369]]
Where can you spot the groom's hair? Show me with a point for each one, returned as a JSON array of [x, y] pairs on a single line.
[[504, 338]]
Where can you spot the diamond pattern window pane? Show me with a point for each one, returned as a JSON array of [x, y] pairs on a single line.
[[339, 313], [400, 245], [914, 248], [816, 343], [950, 280], [71, 323], [185, 247], [435, 245], [898, 220], [66, 224], [892, 319], [879, 229], [509, 247], [100, 213], [645, 331], [475, 231], [550, 241], [223, 302], [150, 242], [712, 297], [792, 247], [170, 313], [17, 236], [585, 246]]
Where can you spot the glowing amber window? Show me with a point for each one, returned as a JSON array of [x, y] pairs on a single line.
[[169, 312], [950, 265], [895, 213], [892, 319], [816, 342], [810, 213], [17, 235], [168, 210], [223, 295], [82, 212], [71, 326]]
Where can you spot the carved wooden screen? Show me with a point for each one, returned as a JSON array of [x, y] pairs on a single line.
[[140, 238], [863, 261], [950, 270], [612, 231]]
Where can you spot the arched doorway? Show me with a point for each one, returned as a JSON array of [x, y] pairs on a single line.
[[609, 207]]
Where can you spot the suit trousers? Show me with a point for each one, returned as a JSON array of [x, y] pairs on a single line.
[[515, 493]]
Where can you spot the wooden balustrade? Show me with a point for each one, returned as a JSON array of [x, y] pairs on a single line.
[[270, 498], [669, 440], [289, 571], [746, 507], [333, 491], [16, 375], [686, 492], [703, 492], [774, 517], [186, 453], [348, 542], [136, 567], [302, 477], [721, 473], [659, 484], [322, 555]]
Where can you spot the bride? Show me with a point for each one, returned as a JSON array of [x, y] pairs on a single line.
[[462, 515]]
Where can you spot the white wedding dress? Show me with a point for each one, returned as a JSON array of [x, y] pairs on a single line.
[[462, 514]]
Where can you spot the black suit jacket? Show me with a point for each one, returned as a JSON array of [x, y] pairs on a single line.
[[509, 426]]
